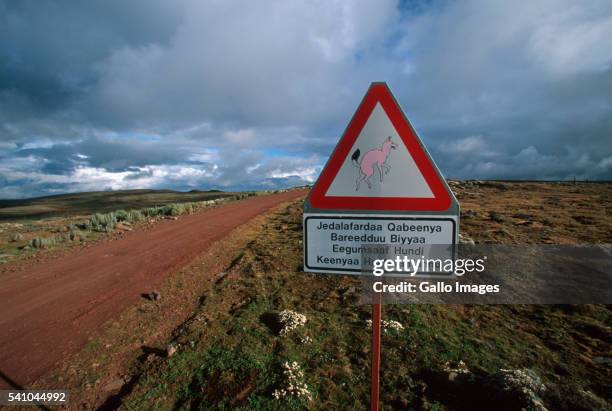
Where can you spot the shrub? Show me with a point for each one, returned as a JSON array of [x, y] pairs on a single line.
[[76, 235], [36, 242], [177, 209], [103, 222], [40, 242], [152, 211], [166, 210], [135, 215], [290, 320], [121, 215]]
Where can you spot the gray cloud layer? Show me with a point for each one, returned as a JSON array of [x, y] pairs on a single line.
[[193, 94]]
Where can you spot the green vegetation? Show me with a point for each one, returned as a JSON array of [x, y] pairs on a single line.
[[99, 202], [106, 222], [46, 242], [81, 229], [102, 222], [233, 353]]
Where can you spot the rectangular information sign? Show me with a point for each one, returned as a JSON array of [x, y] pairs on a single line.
[[336, 243]]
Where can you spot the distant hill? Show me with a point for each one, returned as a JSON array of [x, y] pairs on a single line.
[[98, 201]]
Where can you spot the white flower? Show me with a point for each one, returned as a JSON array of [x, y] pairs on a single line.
[[387, 325], [306, 340], [291, 320], [392, 324], [295, 384]]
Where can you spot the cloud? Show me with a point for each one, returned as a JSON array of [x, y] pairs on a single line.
[[199, 94], [571, 40], [242, 137], [40, 167], [468, 145], [258, 64]]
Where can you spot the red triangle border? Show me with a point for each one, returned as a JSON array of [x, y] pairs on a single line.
[[380, 93]]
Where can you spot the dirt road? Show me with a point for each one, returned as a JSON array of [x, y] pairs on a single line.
[[49, 310]]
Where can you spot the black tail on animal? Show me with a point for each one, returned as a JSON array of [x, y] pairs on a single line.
[[355, 156]]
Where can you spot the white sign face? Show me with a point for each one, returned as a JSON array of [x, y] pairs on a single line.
[[334, 243], [396, 164]]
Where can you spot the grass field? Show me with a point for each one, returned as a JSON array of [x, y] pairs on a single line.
[[98, 202], [458, 357], [231, 352]]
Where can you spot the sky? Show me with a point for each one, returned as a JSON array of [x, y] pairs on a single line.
[[192, 94]]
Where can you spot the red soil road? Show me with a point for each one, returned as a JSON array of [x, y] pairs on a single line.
[[49, 310]]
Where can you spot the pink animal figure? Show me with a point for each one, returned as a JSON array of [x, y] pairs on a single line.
[[378, 157]]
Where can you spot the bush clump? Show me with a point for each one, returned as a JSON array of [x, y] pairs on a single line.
[[40, 242], [152, 211], [177, 209], [102, 222], [135, 216], [171, 209], [77, 235], [121, 215]]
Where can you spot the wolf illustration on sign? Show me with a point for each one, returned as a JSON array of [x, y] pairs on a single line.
[[378, 157]]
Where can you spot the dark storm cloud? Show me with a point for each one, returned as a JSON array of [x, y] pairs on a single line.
[[48, 48], [193, 94]]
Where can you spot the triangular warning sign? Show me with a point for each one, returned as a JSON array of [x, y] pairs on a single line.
[[380, 164]]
